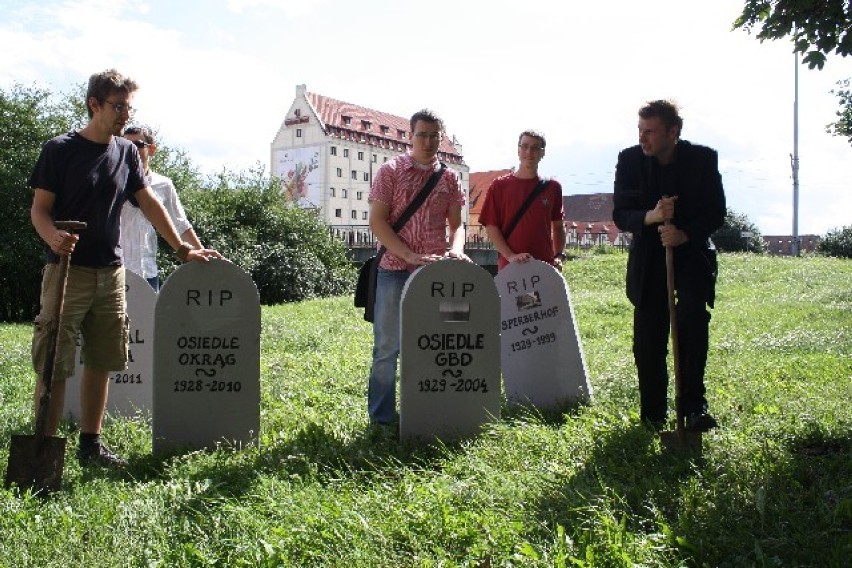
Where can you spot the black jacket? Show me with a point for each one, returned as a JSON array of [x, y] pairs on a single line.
[[699, 210]]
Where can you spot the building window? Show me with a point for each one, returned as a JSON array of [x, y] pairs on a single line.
[[385, 159], [334, 150], [298, 133], [365, 124], [340, 172], [347, 120], [343, 192], [401, 134], [298, 112], [331, 191], [354, 214], [363, 138], [338, 213], [366, 176], [364, 215], [375, 157], [360, 155], [359, 195], [346, 152], [354, 174]]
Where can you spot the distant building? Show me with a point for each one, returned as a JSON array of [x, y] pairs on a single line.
[[480, 182], [783, 244], [326, 152]]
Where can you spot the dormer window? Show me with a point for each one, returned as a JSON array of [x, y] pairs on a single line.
[[365, 124], [401, 134], [347, 120]]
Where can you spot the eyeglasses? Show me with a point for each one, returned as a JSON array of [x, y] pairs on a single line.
[[121, 107], [532, 147], [431, 135], [140, 144]]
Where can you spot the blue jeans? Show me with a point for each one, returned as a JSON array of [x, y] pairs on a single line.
[[381, 393]]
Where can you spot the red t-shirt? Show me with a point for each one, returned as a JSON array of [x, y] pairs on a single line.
[[534, 232]]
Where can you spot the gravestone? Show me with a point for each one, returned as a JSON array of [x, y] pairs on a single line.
[[131, 390], [541, 352], [449, 351], [206, 358]]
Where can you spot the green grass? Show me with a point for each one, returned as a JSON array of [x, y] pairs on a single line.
[[773, 486]]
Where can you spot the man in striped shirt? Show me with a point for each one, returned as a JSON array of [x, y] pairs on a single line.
[[422, 240]]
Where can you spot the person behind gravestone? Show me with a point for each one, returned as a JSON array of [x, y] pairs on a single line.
[[138, 238], [540, 232], [85, 176], [423, 239], [668, 193]]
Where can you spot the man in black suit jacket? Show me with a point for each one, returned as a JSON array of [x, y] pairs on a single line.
[[665, 179]]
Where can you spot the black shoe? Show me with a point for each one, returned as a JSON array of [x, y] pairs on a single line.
[[700, 422], [99, 454]]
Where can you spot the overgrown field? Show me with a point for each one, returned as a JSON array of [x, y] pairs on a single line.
[[773, 486]]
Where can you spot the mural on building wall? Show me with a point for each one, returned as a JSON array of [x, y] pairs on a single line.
[[297, 169]]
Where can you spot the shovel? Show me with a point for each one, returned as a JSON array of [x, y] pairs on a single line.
[[36, 462], [681, 438]]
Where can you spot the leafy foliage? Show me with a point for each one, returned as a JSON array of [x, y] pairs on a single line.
[[837, 242], [843, 126], [729, 237], [288, 251], [817, 27], [28, 118]]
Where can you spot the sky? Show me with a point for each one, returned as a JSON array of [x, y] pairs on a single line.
[[218, 76]]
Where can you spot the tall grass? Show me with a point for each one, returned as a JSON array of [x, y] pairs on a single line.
[[773, 486]]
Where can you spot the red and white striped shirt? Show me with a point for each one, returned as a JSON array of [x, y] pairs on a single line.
[[396, 183]]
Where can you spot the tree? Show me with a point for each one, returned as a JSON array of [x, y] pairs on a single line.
[[843, 126], [837, 242], [729, 237], [817, 27], [28, 118]]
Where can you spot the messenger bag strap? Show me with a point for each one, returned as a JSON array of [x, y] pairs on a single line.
[[523, 209], [416, 203]]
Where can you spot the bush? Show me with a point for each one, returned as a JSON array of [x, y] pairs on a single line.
[[28, 118], [728, 238], [837, 242], [288, 251]]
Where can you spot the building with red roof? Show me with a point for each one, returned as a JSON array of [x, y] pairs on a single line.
[[326, 152]]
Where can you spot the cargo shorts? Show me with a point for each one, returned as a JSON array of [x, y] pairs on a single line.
[[93, 309]]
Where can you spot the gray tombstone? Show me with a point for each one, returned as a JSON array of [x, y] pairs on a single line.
[[541, 353], [206, 358], [130, 390], [449, 351]]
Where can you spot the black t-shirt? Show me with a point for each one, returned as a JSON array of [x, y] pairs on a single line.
[[91, 182]]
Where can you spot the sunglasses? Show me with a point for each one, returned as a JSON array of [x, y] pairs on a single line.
[[140, 144]]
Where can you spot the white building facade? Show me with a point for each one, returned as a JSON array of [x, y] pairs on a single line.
[[326, 152]]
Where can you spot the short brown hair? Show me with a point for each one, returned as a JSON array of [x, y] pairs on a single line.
[[145, 131], [103, 84], [426, 115], [538, 135], [667, 111]]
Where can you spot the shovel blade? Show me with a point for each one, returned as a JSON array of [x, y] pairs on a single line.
[[681, 440], [36, 465]]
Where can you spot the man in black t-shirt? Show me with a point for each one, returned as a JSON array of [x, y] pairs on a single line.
[[86, 176]]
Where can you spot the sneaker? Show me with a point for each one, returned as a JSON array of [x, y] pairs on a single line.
[[99, 454], [700, 422]]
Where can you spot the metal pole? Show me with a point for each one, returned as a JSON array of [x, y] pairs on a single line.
[[794, 245]]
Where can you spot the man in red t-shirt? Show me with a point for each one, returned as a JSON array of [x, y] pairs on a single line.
[[540, 232]]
